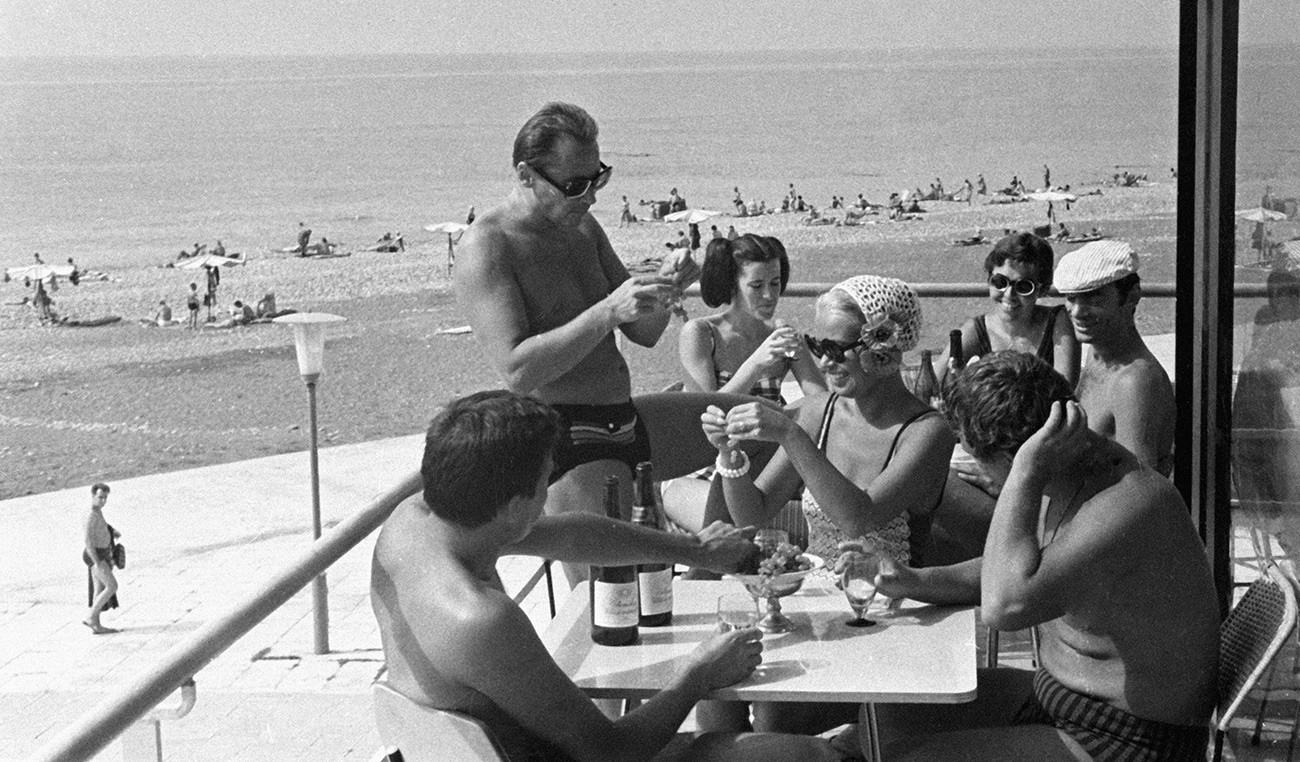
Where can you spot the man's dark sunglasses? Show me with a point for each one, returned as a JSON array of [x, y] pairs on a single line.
[[1021, 287], [579, 186], [830, 348]]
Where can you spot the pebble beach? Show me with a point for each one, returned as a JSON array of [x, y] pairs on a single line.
[[78, 405]]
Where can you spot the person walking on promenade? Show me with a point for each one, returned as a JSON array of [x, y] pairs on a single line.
[[981, 187], [1123, 387], [99, 540], [1047, 177], [545, 294]]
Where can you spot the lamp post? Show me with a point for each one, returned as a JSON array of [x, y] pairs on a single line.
[[309, 341]]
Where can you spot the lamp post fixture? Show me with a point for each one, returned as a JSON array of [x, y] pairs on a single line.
[[309, 341]]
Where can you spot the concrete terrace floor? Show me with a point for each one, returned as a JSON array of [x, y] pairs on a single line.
[[200, 540]]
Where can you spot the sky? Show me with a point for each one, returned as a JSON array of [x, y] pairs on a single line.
[[673, 27]]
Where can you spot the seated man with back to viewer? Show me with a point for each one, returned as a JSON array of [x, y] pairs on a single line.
[[1116, 580], [1122, 386], [454, 640]]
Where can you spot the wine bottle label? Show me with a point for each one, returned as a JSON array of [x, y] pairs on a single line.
[[656, 591], [615, 604]]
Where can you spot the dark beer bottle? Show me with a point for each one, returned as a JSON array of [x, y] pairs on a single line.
[[613, 590], [954, 349], [926, 387], [655, 581]]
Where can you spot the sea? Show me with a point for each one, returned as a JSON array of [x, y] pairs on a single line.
[[124, 162]]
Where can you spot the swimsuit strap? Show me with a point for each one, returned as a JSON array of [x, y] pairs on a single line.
[[982, 345], [827, 414], [1047, 347], [899, 434]]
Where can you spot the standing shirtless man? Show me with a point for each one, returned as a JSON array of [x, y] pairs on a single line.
[[545, 292], [99, 538], [1125, 390], [1096, 550]]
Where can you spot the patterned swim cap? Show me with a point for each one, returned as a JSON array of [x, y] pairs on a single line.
[[887, 299]]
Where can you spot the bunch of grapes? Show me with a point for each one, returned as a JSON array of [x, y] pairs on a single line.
[[785, 558]]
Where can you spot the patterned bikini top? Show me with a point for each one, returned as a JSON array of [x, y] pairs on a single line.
[[767, 388], [824, 536]]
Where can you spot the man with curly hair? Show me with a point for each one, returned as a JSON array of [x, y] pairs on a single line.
[[1096, 550]]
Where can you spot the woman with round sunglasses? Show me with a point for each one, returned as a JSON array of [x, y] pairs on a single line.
[[745, 349], [1019, 270], [872, 459]]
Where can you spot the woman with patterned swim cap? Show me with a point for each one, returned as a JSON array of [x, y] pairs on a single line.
[[871, 457]]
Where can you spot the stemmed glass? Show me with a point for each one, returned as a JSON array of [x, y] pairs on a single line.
[[737, 612], [858, 579]]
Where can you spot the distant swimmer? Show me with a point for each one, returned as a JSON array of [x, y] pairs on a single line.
[[731, 233], [469, 218]]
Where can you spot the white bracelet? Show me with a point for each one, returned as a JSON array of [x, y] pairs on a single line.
[[732, 473]]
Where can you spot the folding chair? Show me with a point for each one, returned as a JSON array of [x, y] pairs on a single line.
[[1249, 638], [424, 734]]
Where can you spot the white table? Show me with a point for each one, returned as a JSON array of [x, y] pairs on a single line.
[[922, 654]]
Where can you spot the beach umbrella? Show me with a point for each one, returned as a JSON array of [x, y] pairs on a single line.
[[38, 272], [207, 260], [450, 228], [1260, 215], [453, 231], [690, 216], [1056, 196]]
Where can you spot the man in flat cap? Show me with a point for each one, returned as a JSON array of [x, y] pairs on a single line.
[[1123, 387]]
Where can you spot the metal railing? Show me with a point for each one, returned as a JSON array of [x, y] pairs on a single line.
[[115, 714], [102, 724]]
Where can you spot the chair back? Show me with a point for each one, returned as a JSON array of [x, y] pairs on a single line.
[[425, 734], [1250, 637]]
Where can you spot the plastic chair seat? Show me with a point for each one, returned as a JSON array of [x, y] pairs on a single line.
[[426, 734]]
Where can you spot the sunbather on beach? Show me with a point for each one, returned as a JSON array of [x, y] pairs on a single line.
[[454, 640], [545, 292], [1124, 388], [1097, 551]]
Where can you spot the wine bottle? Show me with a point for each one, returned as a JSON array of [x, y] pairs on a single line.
[[612, 590], [955, 350], [655, 581], [926, 387]]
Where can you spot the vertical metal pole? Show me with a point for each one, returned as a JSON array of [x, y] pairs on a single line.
[[1206, 255], [319, 589]]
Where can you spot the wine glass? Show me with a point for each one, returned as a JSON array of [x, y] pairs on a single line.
[[858, 579], [737, 612]]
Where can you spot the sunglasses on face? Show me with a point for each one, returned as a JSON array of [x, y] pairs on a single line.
[[579, 186], [1020, 287], [830, 348]]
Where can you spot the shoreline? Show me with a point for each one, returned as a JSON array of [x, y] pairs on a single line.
[[90, 404]]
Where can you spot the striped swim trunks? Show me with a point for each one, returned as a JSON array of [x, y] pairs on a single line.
[[1106, 732], [599, 432]]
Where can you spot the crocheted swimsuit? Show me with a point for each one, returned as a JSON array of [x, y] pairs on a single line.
[[824, 536]]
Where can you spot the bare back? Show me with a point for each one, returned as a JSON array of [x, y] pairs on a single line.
[[1131, 401], [1141, 630], [520, 278]]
